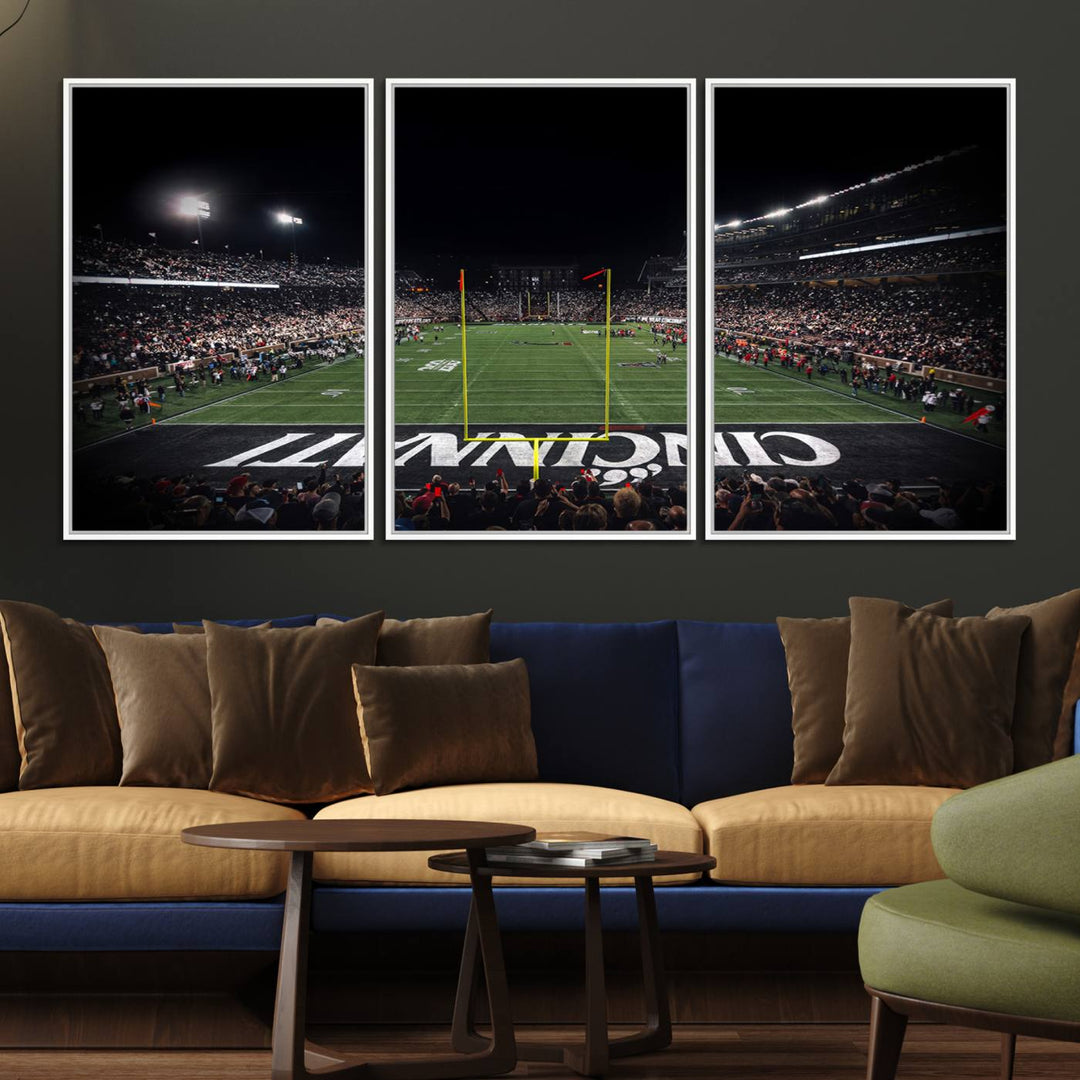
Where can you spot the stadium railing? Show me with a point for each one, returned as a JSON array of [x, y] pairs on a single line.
[[82, 386]]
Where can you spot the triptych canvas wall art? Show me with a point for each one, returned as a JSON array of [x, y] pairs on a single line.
[[859, 378], [541, 331], [216, 369]]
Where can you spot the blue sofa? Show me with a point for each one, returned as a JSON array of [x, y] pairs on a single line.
[[681, 711]]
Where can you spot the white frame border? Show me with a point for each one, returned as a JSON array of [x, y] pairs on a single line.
[[367, 533], [1009, 85], [690, 533]]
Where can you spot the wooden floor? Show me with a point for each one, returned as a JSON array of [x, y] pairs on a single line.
[[724, 1052]]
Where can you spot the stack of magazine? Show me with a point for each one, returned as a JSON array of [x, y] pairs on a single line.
[[575, 849]]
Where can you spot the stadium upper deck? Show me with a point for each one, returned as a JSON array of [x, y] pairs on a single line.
[[948, 194], [107, 258]]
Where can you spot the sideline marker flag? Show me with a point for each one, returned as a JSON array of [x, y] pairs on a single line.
[[464, 360]]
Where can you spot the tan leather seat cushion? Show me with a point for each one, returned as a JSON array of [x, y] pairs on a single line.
[[546, 807], [810, 834], [123, 843]]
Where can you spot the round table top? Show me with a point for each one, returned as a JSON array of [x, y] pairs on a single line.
[[342, 834], [666, 862]]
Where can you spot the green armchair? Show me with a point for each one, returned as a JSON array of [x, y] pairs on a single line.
[[997, 944]]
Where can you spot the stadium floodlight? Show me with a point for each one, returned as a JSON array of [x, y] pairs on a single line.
[[778, 213], [730, 224], [194, 207], [284, 217]]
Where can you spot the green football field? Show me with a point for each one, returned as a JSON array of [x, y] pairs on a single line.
[[320, 394], [542, 373], [745, 394]]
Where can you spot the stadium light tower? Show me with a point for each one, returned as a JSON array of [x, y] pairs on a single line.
[[193, 206], [285, 218]]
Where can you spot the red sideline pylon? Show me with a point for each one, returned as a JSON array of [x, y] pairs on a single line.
[[922, 419]]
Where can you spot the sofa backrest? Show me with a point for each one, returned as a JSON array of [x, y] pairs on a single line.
[[735, 710], [166, 627], [687, 711], [605, 701]]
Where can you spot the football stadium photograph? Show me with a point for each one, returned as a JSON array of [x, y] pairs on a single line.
[[540, 361], [860, 377], [217, 243]]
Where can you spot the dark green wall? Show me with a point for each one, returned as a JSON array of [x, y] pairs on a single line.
[[1034, 42]]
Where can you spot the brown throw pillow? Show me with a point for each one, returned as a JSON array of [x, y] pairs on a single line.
[[9, 739], [817, 661], [454, 639], [282, 710], [445, 724], [929, 699], [62, 697], [197, 628], [163, 703], [1046, 656]]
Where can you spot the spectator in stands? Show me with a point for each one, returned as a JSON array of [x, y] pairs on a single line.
[[805, 505], [541, 506]]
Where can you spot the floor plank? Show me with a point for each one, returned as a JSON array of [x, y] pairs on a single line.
[[723, 1052]]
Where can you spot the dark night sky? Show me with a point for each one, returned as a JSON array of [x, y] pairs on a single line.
[[778, 146], [587, 175], [249, 151]]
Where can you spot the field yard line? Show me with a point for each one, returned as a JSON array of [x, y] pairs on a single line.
[[809, 423], [268, 423], [885, 408]]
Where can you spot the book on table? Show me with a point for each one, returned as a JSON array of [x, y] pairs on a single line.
[[575, 849]]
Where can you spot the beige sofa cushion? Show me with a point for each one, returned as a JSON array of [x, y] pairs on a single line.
[[810, 834], [546, 807], [123, 843]]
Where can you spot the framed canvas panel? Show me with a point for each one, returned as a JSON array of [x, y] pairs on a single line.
[[861, 358], [218, 241], [540, 309]]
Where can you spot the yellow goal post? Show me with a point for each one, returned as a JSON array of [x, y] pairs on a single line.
[[538, 439]]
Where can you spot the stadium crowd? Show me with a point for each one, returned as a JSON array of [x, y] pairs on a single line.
[[320, 503], [943, 257], [507, 305], [945, 326], [107, 258], [540, 506], [813, 504], [119, 328]]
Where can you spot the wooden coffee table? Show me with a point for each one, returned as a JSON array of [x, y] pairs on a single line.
[[591, 1058], [294, 1059]]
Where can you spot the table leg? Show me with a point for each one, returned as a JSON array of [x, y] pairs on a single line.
[[463, 1034], [657, 1031], [290, 1012], [501, 1055], [592, 1058], [294, 1059]]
